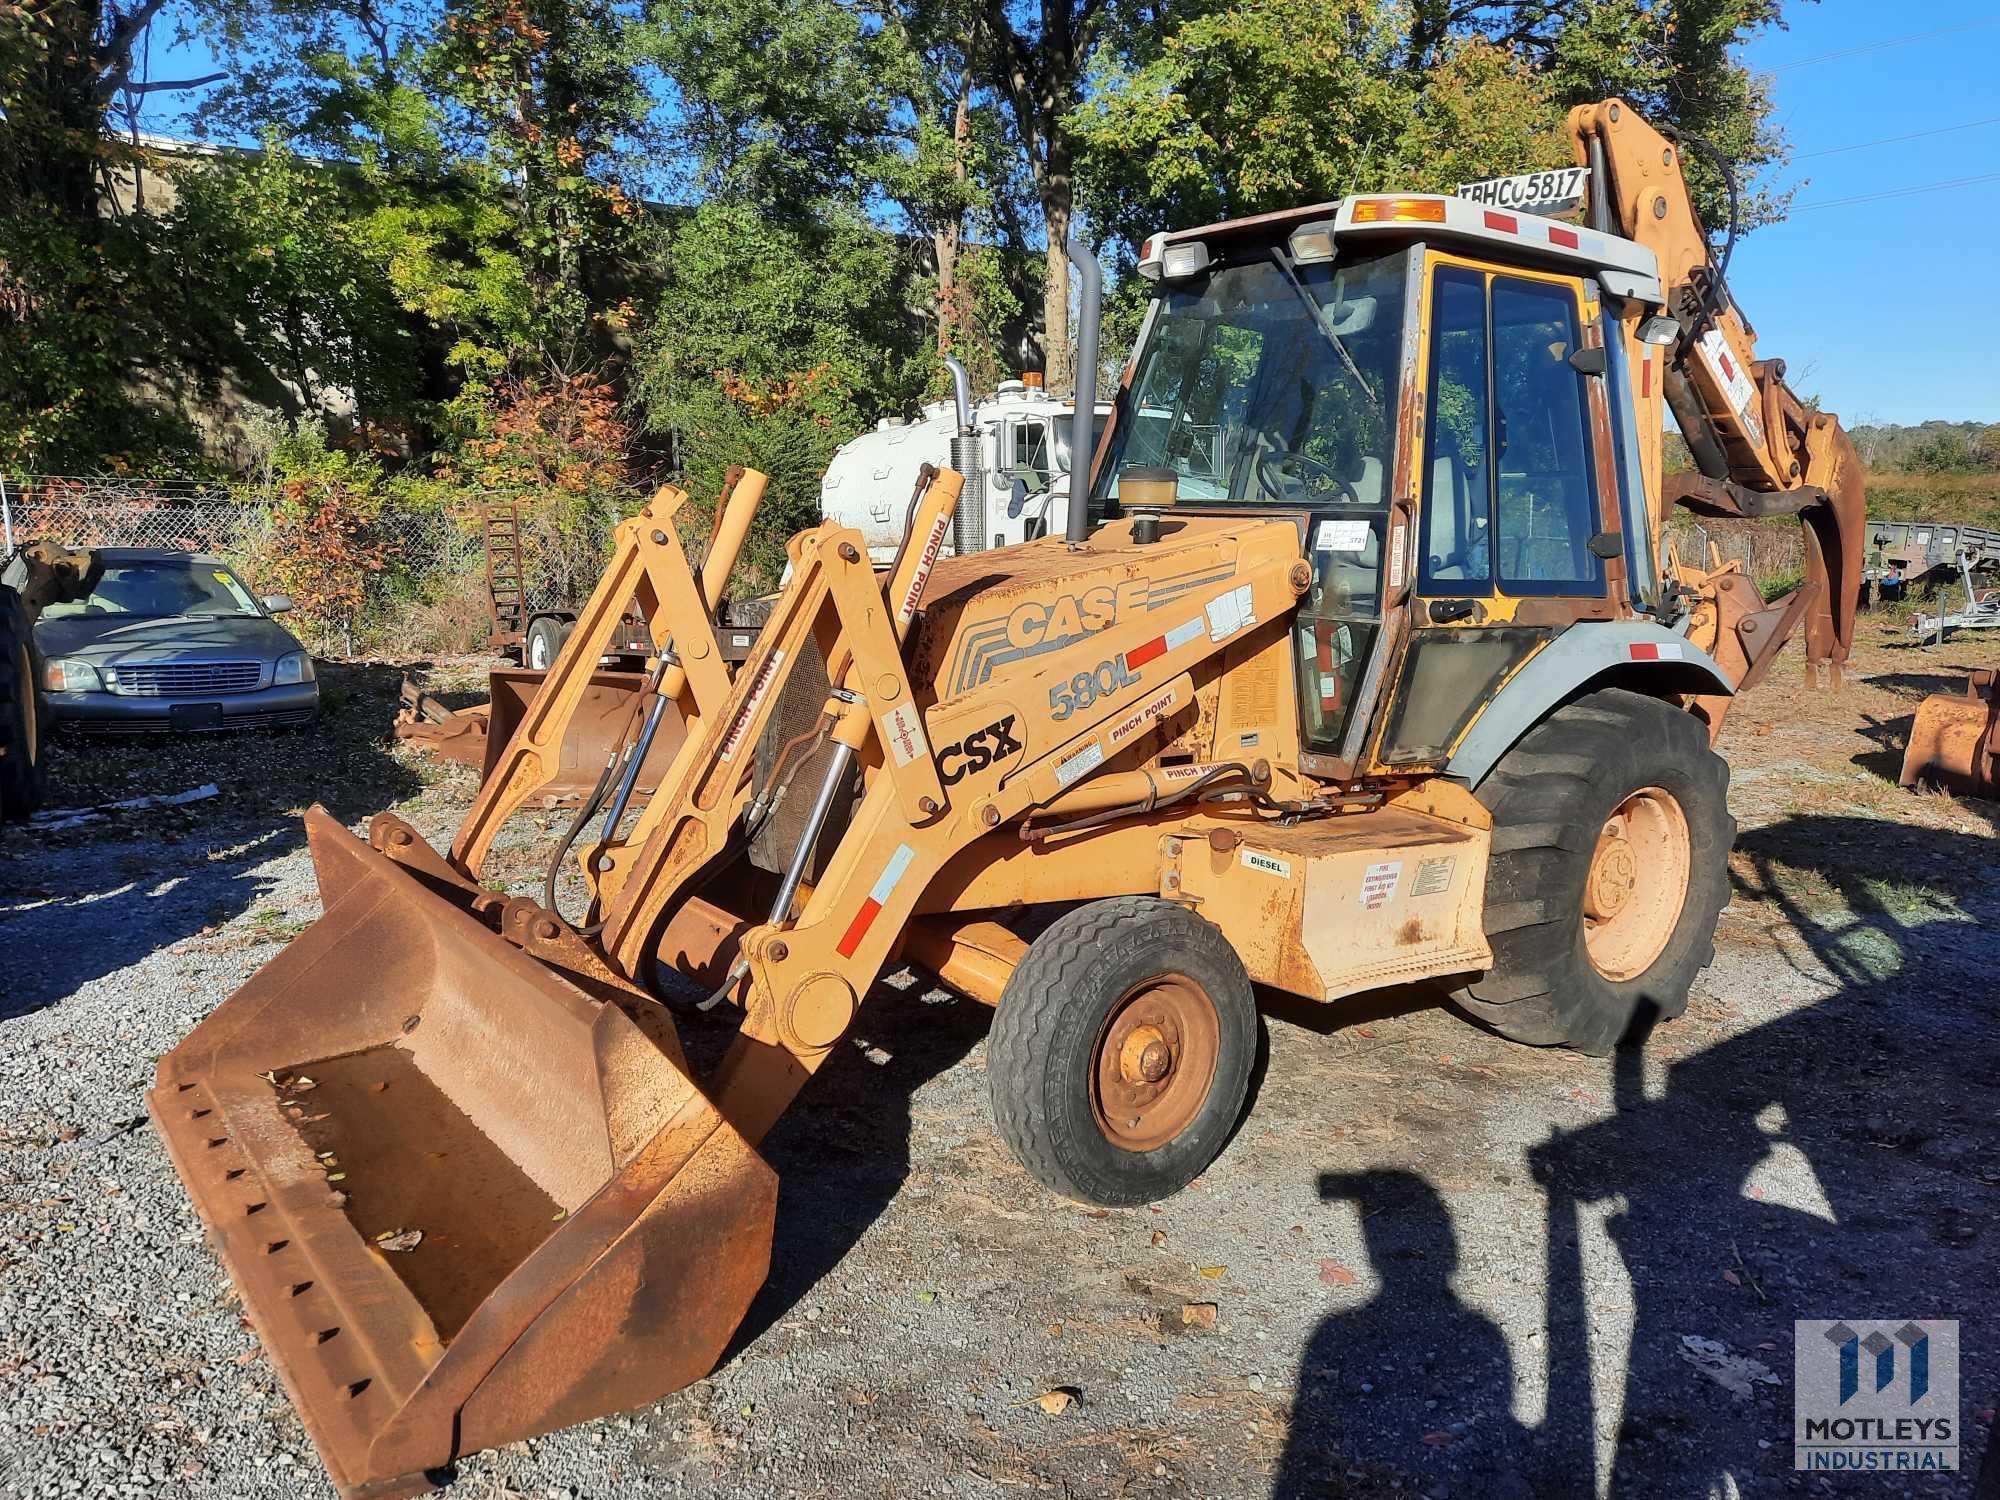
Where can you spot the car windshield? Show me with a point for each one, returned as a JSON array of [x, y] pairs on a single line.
[[160, 590], [1255, 390]]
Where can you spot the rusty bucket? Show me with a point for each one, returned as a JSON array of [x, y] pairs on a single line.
[[465, 1201], [1955, 739], [602, 720]]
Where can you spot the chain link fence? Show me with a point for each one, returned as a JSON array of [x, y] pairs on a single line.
[[430, 594], [1774, 556]]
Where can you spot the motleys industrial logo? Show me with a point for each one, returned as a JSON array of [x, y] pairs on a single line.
[[1876, 1394]]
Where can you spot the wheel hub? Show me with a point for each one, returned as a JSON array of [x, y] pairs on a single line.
[[1637, 883], [1613, 874], [1155, 1059]]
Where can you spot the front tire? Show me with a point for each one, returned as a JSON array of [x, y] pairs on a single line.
[[1610, 868], [1121, 1053]]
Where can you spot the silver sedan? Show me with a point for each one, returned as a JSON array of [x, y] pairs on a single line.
[[169, 640]]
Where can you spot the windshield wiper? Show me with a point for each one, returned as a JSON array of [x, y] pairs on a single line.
[[1284, 265]]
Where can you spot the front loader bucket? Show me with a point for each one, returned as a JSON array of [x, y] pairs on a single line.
[[1955, 739], [465, 1201], [603, 717]]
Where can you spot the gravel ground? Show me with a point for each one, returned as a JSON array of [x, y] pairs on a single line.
[[1440, 1264]]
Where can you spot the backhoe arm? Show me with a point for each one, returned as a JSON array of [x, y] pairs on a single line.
[[1758, 449]]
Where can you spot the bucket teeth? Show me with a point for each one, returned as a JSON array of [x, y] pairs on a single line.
[[464, 1200]]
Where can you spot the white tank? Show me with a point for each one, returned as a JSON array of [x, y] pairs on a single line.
[[1022, 433]]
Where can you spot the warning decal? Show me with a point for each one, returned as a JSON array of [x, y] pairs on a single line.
[[733, 741], [903, 733], [1079, 763], [1379, 882], [1230, 613], [1742, 394], [906, 611], [1146, 714], [1433, 876]]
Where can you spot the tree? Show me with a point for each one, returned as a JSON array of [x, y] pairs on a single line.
[[1039, 63], [1258, 106], [1276, 103], [774, 341]]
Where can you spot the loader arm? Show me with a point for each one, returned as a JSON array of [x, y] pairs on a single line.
[[1758, 449]]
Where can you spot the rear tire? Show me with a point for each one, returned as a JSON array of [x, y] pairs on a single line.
[[1121, 1053], [22, 778], [1610, 868]]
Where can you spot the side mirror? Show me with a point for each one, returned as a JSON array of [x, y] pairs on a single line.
[[277, 604]]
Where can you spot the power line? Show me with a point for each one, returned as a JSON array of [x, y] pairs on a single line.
[[1929, 187], [1894, 41], [1891, 140]]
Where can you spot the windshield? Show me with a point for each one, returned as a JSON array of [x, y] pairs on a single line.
[[160, 590], [1249, 392]]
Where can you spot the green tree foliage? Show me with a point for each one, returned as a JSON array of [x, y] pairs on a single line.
[[773, 342], [307, 300], [1248, 108]]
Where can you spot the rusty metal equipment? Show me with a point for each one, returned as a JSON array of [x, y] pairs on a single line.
[[455, 733], [603, 717], [1955, 739], [466, 1198], [1303, 699]]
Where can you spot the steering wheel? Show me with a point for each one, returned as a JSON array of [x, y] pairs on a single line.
[[1276, 471]]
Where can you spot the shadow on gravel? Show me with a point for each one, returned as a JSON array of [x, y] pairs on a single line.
[[842, 1151], [1835, 1163], [80, 905]]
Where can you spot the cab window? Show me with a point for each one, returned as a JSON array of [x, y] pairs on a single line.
[[1512, 491], [1031, 453]]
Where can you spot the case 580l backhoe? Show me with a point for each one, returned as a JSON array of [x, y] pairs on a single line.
[[1374, 668]]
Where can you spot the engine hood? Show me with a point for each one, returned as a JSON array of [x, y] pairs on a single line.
[[120, 640]]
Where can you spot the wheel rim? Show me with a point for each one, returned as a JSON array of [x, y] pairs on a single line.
[[1154, 1061], [538, 652], [1637, 885], [29, 707]]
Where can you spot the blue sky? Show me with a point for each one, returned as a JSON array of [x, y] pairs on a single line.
[[1879, 308]]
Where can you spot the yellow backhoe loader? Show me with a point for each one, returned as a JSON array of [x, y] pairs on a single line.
[[1364, 663]]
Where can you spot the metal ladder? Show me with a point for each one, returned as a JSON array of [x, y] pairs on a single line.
[[506, 593]]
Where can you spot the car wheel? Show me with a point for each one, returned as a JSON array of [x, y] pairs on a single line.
[[544, 643]]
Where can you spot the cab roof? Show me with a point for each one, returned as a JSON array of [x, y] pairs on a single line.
[[1625, 268]]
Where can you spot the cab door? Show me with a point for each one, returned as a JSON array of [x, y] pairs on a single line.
[[1518, 494]]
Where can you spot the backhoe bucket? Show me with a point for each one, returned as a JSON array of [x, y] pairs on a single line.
[[1955, 739], [599, 725], [465, 1201]]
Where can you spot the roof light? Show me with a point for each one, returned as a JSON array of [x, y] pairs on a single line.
[[1659, 331], [1189, 258], [1149, 257], [1398, 211], [1313, 242]]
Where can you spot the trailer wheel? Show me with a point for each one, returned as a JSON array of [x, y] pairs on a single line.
[[544, 643], [21, 773], [1121, 1053], [1611, 839]]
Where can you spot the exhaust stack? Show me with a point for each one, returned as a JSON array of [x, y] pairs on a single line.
[[1082, 450]]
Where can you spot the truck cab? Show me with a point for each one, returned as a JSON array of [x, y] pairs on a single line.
[[1024, 464]]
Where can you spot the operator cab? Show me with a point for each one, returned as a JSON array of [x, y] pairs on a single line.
[[1413, 380]]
